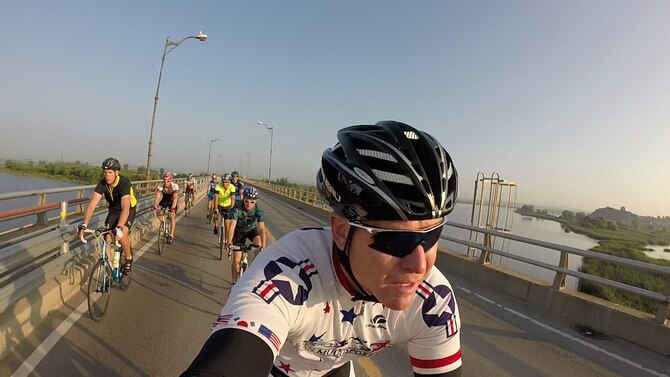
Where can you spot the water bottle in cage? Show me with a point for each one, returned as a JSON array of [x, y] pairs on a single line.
[[115, 263]]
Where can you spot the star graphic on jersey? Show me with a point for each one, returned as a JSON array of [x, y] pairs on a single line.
[[285, 367], [315, 338], [438, 310], [326, 310], [348, 315]]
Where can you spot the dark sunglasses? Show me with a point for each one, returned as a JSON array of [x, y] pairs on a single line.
[[400, 242], [250, 201]]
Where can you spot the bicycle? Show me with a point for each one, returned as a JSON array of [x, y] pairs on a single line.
[[104, 274], [244, 262], [188, 202], [163, 229], [222, 237], [210, 214]]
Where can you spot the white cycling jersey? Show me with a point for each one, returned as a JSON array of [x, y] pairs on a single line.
[[291, 297], [167, 189]]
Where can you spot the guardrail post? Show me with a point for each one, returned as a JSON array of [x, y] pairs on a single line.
[[664, 307], [80, 206], [559, 279], [42, 216], [65, 246]]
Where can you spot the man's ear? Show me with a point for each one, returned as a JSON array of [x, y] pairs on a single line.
[[339, 227]]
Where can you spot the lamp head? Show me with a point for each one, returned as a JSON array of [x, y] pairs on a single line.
[[201, 36]]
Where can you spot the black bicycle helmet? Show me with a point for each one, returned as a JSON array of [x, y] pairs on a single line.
[[111, 163], [250, 193], [387, 171], [234, 174]]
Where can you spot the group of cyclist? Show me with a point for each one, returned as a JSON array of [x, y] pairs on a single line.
[[235, 205]]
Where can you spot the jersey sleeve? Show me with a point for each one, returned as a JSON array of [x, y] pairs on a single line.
[[159, 187], [260, 214], [435, 345], [175, 187], [264, 301]]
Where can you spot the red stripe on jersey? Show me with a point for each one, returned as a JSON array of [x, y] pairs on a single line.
[[436, 363], [267, 289], [424, 289]]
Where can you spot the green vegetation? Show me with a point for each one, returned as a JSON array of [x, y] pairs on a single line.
[[622, 238], [69, 172], [284, 182]]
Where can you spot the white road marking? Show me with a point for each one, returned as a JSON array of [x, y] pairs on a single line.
[[568, 336], [26, 369]]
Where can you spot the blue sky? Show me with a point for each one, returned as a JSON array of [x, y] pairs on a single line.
[[569, 99]]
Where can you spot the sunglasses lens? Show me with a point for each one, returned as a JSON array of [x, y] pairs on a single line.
[[401, 244]]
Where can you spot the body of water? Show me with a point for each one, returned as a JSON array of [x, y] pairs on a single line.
[[524, 226], [10, 183]]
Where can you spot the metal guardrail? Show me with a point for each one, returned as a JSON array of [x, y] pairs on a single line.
[[561, 270]]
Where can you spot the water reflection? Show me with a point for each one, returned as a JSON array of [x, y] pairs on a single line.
[[539, 229]]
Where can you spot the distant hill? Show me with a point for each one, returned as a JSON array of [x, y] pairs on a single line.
[[609, 213]]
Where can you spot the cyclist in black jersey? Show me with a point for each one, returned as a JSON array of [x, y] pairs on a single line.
[[118, 192], [310, 304], [239, 186]]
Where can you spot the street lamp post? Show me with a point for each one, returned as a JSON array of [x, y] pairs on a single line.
[[248, 163], [209, 158], [271, 130], [168, 43]]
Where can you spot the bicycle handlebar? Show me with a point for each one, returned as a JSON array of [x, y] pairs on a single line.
[[100, 232], [249, 247]]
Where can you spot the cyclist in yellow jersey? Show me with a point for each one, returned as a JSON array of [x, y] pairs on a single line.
[[225, 200], [119, 194]]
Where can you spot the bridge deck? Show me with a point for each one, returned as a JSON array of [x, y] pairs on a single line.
[[157, 326]]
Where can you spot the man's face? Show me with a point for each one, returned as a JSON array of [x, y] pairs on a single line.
[[392, 280], [225, 183], [249, 203], [109, 175]]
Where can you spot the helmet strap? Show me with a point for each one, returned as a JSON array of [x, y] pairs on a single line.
[[343, 257]]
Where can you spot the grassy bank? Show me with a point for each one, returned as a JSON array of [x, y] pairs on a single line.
[[626, 239]]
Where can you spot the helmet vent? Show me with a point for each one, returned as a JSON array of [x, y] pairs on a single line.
[[376, 154], [411, 135], [392, 177]]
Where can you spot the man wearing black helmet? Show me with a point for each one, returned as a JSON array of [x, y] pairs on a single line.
[[320, 298], [119, 194]]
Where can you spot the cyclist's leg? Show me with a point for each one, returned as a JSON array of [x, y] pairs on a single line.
[[173, 221], [110, 221], [217, 219], [238, 239], [255, 236]]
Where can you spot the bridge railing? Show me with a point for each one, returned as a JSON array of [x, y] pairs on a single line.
[[561, 270]]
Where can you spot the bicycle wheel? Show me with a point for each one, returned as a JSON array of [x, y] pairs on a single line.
[[243, 267], [161, 238], [222, 240], [99, 284]]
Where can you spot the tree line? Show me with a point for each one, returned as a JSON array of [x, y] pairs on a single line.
[[74, 172]]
